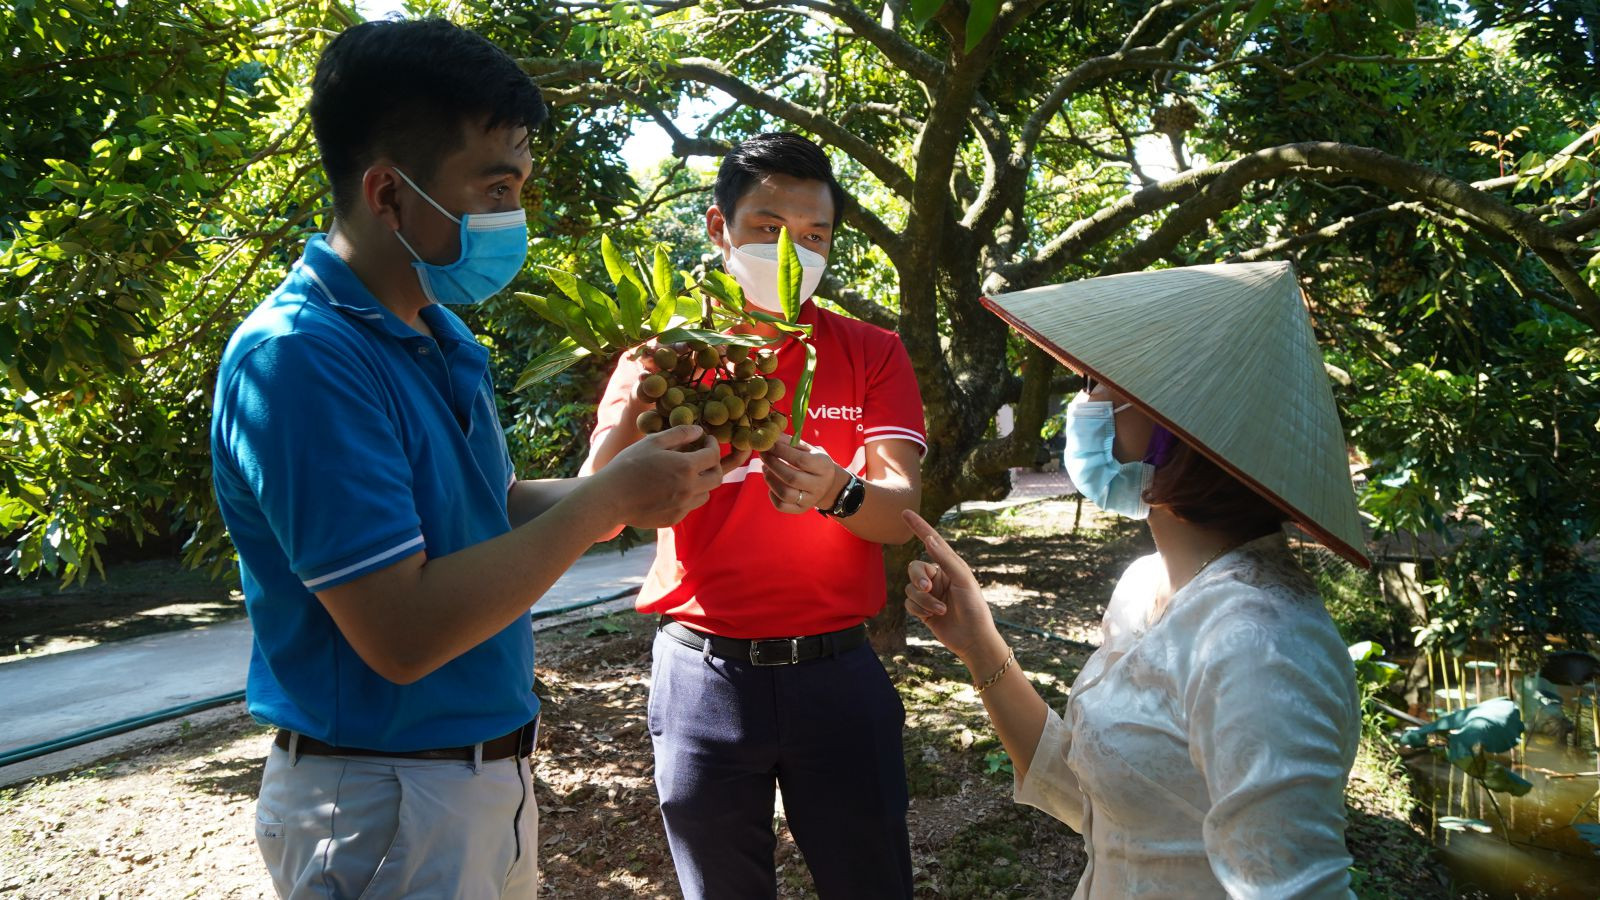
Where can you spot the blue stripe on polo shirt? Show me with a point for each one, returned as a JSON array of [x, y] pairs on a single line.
[[344, 441]]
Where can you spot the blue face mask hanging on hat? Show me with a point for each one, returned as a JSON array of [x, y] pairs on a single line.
[[493, 248], [1115, 487]]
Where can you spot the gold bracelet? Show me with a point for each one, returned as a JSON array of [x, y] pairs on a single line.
[[989, 682]]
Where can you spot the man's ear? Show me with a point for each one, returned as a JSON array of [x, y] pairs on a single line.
[[380, 194], [717, 227]]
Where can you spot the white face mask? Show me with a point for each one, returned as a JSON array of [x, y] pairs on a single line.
[[755, 267]]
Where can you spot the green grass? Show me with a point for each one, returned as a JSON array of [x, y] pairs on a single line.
[[1394, 859], [983, 861]]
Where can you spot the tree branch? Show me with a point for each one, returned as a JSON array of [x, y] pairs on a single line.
[[1579, 225], [887, 110], [1588, 301], [1017, 448], [1401, 176], [874, 228], [1322, 235], [1334, 230], [711, 73], [1527, 291], [1149, 18], [1092, 70], [918, 64], [684, 146], [1107, 220], [855, 302]]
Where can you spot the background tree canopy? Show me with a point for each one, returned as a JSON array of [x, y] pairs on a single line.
[[1429, 166]]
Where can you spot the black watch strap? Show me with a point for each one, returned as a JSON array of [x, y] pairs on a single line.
[[849, 500]]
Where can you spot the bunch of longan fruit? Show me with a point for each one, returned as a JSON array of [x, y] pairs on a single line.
[[725, 388]]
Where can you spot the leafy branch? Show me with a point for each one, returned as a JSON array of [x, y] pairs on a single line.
[[652, 304]]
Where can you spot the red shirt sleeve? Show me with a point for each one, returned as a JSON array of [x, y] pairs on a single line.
[[613, 403], [893, 405]]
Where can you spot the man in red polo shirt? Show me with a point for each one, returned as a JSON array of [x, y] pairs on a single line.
[[762, 674]]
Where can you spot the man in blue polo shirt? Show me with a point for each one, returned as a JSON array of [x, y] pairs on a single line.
[[388, 552]]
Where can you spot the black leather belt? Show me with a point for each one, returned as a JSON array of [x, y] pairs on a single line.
[[773, 651], [517, 743]]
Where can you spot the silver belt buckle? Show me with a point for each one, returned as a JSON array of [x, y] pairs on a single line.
[[794, 652]]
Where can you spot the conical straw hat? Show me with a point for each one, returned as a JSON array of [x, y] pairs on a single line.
[[1224, 357]]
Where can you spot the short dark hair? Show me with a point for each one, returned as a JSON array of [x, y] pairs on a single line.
[[1197, 490], [773, 153], [406, 89]]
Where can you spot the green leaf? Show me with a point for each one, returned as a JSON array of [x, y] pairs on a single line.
[[923, 10], [979, 20], [725, 289], [666, 309], [789, 275], [541, 306], [1365, 650], [1225, 15], [630, 301], [761, 315], [690, 309], [1418, 737], [1493, 726], [615, 267], [802, 393], [1503, 780], [551, 362], [576, 324], [674, 335], [605, 628], [602, 314], [68, 552], [661, 274], [1403, 13], [1253, 19], [600, 310], [565, 282]]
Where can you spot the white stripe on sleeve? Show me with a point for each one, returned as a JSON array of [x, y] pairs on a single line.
[[889, 431], [380, 557]]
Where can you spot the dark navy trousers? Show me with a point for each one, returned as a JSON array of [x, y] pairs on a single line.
[[826, 732]]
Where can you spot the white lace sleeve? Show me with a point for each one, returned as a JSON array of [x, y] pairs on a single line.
[[1271, 713], [1050, 784]]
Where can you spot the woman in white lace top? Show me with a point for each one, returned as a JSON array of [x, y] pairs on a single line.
[[1205, 747]]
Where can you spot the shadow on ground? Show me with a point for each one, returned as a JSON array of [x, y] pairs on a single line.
[[229, 777], [134, 600]]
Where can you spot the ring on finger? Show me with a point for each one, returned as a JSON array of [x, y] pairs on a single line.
[[799, 498]]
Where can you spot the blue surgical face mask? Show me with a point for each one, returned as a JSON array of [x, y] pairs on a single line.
[[493, 248], [1113, 486]]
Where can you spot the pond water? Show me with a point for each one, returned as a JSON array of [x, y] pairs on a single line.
[[1545, 857]]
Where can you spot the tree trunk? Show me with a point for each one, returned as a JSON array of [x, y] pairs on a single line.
[[888, 628]]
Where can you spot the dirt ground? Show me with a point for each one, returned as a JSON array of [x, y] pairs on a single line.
[[176, 820]]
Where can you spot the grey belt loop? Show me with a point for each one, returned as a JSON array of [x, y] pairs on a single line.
[[477, 757], [294, 748], [705, 651]]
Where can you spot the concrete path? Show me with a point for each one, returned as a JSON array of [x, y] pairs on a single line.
[[48, 698]]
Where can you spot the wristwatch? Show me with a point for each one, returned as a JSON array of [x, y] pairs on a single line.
[[849, 501]]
